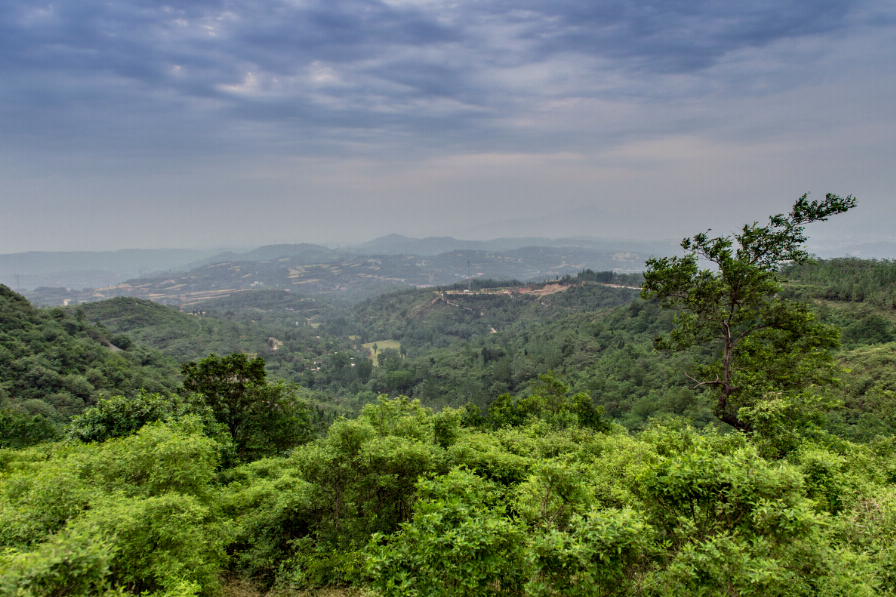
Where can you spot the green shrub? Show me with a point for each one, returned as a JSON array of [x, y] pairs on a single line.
[[459, 543], [119, 416], [73, 563], [145, 499], [160, 542], [19, 429], [160, 458], [604, 553], [271, 507]]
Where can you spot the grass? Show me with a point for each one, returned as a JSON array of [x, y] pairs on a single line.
[[380, 345]]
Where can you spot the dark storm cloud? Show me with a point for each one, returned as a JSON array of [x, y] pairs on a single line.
[[356, 65]]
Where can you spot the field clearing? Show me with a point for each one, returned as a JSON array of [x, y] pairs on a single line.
[[380, 345]]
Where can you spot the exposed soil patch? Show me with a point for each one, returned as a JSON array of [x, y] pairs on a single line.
[[544, 291]]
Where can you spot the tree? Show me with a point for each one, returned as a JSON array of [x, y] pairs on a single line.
[[119, 416], [768, 345], [389, 359], [550, 401], [365, 368], [19, 429], [262, 418]]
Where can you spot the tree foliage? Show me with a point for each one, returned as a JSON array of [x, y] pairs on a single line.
[[119, 416], [262, 418], [409, 502], [128, 515], [19, 429], [767, 344]]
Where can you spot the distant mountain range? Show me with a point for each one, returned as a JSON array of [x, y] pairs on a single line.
[[351, 275], [99, 269], [304, 253]]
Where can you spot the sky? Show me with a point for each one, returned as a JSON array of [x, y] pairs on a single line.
[[205, 123]]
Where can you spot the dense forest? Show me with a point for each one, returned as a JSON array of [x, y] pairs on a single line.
[[488, 438]]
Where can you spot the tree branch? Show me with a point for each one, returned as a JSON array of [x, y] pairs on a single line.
[[717, 382]]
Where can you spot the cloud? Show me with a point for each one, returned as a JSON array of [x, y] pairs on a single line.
[[432, 90], [401, 67]]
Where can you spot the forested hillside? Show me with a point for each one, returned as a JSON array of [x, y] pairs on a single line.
[[859, 297], [54, 364], [499, 438], [233, 327], [847, 279], [459, 346]]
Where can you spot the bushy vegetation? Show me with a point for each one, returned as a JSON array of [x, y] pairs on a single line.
[[408, 502], [130, 514]]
